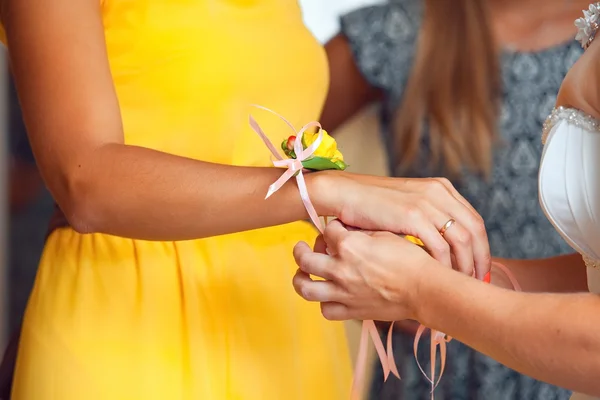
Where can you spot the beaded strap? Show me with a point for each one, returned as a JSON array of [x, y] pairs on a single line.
[[591, 262], [587, 26], [573, 116]]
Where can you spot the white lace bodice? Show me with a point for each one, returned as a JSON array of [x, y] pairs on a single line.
[[569, 186], [569, 180], [569, 177]]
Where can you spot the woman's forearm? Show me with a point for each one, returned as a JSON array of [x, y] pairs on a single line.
[[519, 329], [562, 274], [145, 194]]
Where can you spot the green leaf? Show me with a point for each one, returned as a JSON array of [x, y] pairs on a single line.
[[321, 164], [286, 151]]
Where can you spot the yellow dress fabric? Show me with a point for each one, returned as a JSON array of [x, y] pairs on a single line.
[[111, 318]]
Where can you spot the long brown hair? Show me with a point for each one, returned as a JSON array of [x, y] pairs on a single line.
[[454, 87]]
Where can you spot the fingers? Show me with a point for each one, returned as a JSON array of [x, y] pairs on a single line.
[[472, 229], [335, 311], [334, 233], [316, 291], [468, 234], [430, 236], [448, 185], [457, 237], [313, 263], [320, 245]]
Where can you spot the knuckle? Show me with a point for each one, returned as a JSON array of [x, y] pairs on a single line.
[[349, 244], [303, 262], [440, 248], [478, 226], [474, 223], [307, 292], [345, 245], [436, 186], [461, 237], [338, 274], [443, 181], [414, 213], [468, 270]]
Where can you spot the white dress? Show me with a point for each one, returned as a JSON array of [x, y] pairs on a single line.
[[569, 186]]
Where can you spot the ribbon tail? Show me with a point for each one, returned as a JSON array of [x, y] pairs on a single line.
[[378, 347], [416, 347], [264, 137], [511, 277], [433, 355], [442, 361], [390, 353], [279, 182], [312, 213], [361, 363], [281, 117]]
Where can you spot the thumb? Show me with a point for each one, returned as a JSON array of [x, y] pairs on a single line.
[[333, 235]]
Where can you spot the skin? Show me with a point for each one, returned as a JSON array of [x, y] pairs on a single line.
[[538, 332], [529, 25], [365, 279], [58, 57]]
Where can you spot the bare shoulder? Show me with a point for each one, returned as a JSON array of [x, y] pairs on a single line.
[[581, 87]]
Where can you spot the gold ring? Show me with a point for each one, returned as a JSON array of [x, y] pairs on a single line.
[[447, 226]]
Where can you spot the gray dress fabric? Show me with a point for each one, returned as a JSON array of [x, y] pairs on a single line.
[[383, 39]]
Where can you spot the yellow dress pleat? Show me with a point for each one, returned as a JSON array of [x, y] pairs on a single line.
[[111, 318]]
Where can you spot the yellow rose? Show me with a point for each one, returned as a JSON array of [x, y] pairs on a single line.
[[328, 147], [337, 156]]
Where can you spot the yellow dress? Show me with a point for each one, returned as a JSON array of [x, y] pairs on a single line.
[[119, 319]]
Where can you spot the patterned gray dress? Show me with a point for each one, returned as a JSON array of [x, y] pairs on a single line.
[[383, 39]]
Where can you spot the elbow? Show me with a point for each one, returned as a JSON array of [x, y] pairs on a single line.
[[79, 203], [80, 220]]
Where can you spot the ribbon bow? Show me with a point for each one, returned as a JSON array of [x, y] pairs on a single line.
[[440, 339], [295, 168]]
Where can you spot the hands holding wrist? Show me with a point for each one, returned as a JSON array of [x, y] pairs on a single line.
[[416, 207], [367, 275]]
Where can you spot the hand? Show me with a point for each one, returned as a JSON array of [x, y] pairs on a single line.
[[416, 207], [367, 275]]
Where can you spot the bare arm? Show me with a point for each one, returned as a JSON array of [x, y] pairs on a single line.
[[62, 74], [551, 337], [563, 274], [70, 107], [349, 91]]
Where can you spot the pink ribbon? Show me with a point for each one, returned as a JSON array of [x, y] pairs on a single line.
[[294, 168], [440, 339]]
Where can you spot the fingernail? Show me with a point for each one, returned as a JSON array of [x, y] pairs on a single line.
[[488, 277]]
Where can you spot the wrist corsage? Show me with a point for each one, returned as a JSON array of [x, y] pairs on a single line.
[[308, 151]]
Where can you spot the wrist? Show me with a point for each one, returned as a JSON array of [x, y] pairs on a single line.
[[325, 192], [422, 290], [433, 283]]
